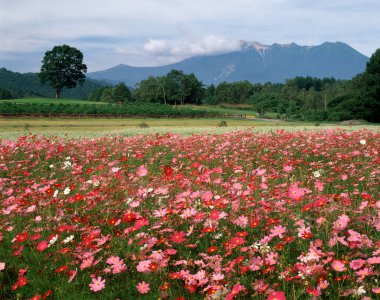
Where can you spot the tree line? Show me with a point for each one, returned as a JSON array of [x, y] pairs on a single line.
[[299, 98]]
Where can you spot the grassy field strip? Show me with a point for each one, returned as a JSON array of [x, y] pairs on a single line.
[[51, 101]]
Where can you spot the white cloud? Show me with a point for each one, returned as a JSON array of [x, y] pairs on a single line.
[[154, 32], [191, 46]]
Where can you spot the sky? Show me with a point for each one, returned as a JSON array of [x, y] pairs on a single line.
[[159, 32]]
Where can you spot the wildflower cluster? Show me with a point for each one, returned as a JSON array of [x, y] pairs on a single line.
[[269, 215]]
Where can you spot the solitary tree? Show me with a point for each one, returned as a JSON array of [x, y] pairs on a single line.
[[63, 67]]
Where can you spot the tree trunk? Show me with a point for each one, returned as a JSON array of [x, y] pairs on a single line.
[[163, 90], [57, 93]]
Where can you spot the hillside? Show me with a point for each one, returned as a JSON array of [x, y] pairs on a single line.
[[29, 85], [256, 63]]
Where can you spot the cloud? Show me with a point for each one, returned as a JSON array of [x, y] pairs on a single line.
[[152, 32], [208, 44]]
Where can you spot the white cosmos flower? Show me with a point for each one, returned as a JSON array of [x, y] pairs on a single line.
[[67, 191], [363, 142], [53, 240], [68, 239]]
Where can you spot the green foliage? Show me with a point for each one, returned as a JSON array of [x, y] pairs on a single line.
[[63, 67], [28, 85], [174, 88], [130, 109], [120, 93], [222, 123], [368, 88]]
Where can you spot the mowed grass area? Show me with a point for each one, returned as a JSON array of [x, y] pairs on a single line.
[[11, 128], [51, 101]]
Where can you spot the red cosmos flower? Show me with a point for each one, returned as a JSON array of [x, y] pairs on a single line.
[[165, 286], [169, 172], [178, 237], [241, 234], [78, 197], [306, 235], [49, 191], [307, 207], [64, 250], [129, 217], [240, 259], [35, 237], [289, 239], [61, 269], [366, 196], [212, 249], [47, 294], [21, 281], [153, 266], [236, 241], [214, 215], [21, 237], [254, 223], [191, 288], [64, 228], [175, 275], [112, 221], [208, 229]]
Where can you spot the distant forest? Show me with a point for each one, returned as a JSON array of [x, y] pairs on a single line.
[[16, 85], [300, 98]]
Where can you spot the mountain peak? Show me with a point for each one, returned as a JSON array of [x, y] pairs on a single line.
[[255, 62]]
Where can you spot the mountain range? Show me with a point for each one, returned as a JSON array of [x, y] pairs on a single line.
[[254, 62]]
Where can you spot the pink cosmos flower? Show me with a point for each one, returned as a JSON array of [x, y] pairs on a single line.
[[255, 263], [278, 231], [97, 284], [295, 192], [357, 264], [364, 272], [341, 223], [42, 246], [271, 258], [143, 287], [2, 266], [338, 266], [242, 221], [142, 171], [86, 263], [217, 276], [143, 266], [277, 296], [373, 260]]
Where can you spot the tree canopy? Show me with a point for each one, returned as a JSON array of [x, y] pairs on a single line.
[[63, 67]]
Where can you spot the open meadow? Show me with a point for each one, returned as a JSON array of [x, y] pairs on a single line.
[[11, 128], [261, 212]]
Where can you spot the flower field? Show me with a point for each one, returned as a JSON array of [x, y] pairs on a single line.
[[239, 215]]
